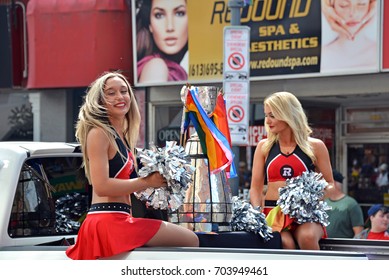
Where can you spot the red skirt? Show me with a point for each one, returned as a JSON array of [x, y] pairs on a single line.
[[281, 222], [104, 234]]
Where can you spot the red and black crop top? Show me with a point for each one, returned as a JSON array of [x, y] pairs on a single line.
[[119, 166], [279, 166]]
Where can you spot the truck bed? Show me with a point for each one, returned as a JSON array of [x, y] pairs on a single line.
[[183, 253]]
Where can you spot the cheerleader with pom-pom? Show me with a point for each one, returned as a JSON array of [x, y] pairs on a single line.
[[107, 129], [288, 152]]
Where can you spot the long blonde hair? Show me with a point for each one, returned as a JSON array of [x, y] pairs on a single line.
[[286, 107], [93, 113]]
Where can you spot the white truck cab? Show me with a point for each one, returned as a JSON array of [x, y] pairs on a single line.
[[37, 179]]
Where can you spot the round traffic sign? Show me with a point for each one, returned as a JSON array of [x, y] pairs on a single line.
[[236, 113], [236, 61]]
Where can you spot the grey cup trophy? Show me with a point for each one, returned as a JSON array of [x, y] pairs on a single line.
[[207, 206]]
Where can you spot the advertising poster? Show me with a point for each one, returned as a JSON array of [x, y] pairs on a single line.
[[182, 40], [285, 37], [385, 36], [161, 41], [350, 44], [206, 24]]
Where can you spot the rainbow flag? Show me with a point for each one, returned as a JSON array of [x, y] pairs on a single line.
[[221, 122], [214, 134]]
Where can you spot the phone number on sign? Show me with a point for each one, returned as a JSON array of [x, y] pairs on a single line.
[[206, 69]]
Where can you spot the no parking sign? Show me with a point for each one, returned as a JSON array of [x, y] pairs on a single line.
[[236, 49], [237, 104], [236, 61], [236, 113], [236, 82]]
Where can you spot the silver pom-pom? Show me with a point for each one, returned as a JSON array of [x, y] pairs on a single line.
[[173, 163], [247, 218], [302, 196]]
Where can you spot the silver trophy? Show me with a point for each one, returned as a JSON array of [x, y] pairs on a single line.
[[207, 205]]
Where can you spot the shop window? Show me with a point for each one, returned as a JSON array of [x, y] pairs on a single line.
[[367, 120], [167, 124], [366, 158], [16, 117], [365, 164]]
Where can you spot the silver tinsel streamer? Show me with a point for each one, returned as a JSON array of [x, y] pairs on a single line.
[[302, 196], [173, 163], [68, 211], [247, 218]]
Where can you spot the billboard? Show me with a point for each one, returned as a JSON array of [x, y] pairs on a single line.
[[385, 36], [288, 38], [354, 46]]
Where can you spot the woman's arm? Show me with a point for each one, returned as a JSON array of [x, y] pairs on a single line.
[[258, 177], [323, 162], [98, 148]]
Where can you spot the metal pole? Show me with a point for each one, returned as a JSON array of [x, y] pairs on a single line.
[[235, 6]]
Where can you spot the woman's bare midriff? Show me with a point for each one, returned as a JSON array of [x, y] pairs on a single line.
[[272, 190], [107, 199]]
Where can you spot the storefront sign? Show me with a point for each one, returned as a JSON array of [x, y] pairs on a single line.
[[287, 38], [362, 120], [256, 134], [168, 134]]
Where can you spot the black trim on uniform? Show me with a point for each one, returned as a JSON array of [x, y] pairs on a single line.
[[270, 202], [110, 206]]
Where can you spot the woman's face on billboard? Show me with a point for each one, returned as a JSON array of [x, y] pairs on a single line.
[[352, 11], [169, 25]]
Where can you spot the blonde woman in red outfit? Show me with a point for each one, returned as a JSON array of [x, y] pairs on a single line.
[[107, 130], [287, 152]]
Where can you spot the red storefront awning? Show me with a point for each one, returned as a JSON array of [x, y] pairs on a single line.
[[72, 42]]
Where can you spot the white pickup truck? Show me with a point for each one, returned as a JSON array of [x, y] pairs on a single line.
[[44, 196]]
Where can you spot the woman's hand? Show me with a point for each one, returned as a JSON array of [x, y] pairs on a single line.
[[368, 18], [156, 180], [336, 23]]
